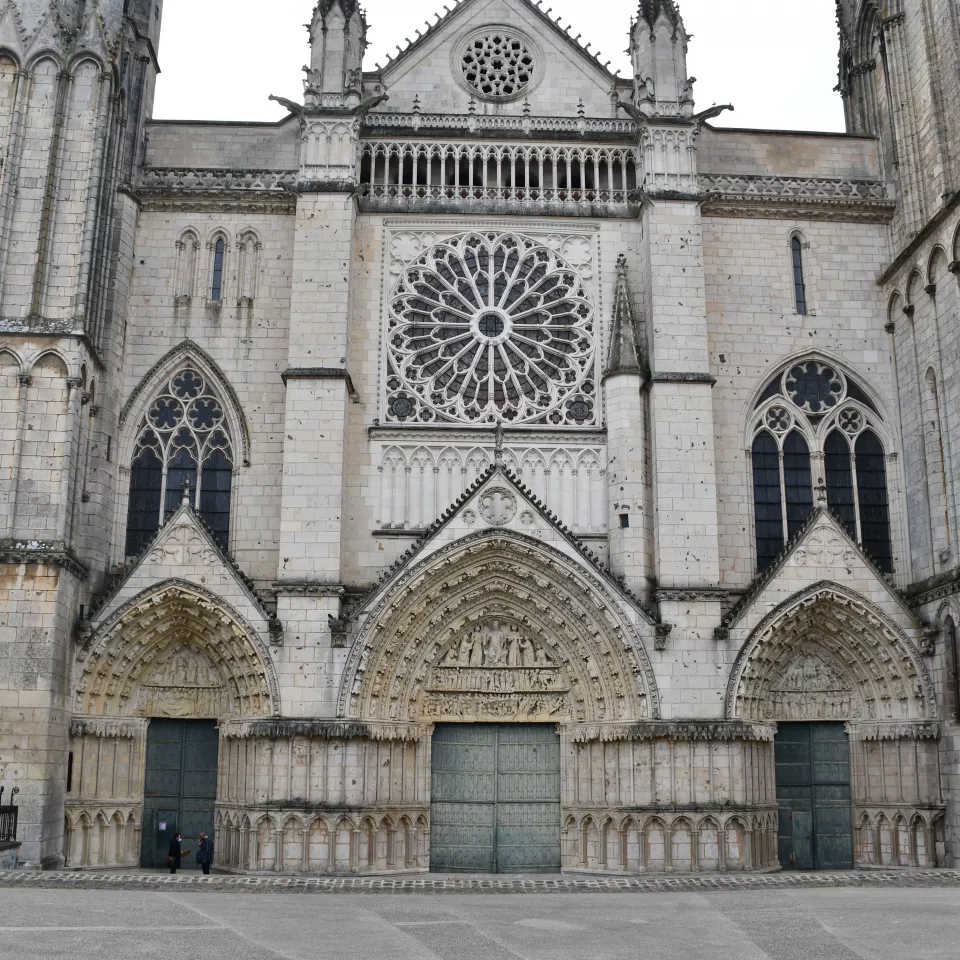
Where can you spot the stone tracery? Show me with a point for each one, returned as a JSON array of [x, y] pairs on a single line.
[[176, 651], [493, 599], [488, 328]]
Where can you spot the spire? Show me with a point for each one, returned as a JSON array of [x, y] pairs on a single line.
[[625, 355]]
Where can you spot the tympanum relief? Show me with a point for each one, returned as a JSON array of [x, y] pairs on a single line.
[[183, 684], [813, 688], [495, 670]]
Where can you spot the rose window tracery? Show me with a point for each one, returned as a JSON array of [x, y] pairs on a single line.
[[497, 65], [487, 328]]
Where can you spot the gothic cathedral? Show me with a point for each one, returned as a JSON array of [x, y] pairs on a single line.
[[491, 466]]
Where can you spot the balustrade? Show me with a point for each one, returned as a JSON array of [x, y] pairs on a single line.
[[410, 170]]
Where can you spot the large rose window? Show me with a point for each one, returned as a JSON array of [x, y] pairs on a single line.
[[487, 328]]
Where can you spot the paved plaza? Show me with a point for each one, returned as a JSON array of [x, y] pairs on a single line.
[[141, 915]]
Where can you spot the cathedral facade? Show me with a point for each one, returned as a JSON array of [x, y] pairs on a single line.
[[491, 466]]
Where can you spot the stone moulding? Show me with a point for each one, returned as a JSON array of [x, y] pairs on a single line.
[[674, 730], [894, 731], [603, 128], [751, 195], [180, 179], [321, 373], [108, 727], [51, 553], [307, 588], [671, 377], [274, 729]]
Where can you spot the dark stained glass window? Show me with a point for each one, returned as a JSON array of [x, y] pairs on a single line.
[[767, 505], [872, 493], [214, 503], [799, 287], [143, 511], [953, 652], [185, 425], [797, 481], [181, 469], [839, 480], [216, 289]]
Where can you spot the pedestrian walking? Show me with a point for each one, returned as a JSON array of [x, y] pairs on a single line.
[[205, 853], [175, 853]]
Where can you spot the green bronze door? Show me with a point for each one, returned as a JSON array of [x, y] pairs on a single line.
[[813, 794], [180, 787], [495, 798]]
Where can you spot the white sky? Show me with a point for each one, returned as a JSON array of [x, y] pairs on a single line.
[[775, 61]]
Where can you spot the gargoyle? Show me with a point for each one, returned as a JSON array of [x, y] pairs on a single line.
[[704, 115], [631, 111], [295, 108], [367, 105]]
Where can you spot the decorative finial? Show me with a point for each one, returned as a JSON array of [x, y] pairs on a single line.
[[185, 497], [821, 491]]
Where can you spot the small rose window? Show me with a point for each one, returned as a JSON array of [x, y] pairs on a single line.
[[497, 65]]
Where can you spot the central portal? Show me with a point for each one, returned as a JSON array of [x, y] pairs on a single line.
[[495, 798]]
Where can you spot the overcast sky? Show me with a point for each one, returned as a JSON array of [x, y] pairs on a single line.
[[775, 61]]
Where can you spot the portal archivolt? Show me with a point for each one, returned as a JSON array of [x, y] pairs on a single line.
[[176, 651], [499, 627], [829, 655]]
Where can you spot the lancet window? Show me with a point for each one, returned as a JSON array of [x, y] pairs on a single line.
[[216, 285], [183, 443], [817, 437], [799, 284]]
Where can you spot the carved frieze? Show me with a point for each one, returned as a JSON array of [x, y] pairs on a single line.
[[184, 683], [496, 670], [813, 688]]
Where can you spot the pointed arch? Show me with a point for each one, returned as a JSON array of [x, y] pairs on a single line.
[[188, 255], [185, 352], [249, 247], [813, 412], [170, 638], [594, 663], [183, 439], [829, 653], [218, 250]]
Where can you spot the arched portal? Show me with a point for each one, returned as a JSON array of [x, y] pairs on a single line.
[[498, 647], [156, 679], [856, 746], [499, 627]]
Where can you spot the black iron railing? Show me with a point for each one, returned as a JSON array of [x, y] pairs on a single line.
[[8, 817]]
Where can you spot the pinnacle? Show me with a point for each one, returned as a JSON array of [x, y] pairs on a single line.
[[650, 10]]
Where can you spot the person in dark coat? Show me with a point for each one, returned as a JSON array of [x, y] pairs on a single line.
[[205, 853], [174, 854]]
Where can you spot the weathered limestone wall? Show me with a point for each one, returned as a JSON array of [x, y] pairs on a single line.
[[38, 601]]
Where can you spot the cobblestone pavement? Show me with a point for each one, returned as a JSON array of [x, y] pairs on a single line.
[[463, 883], [184, 918]]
